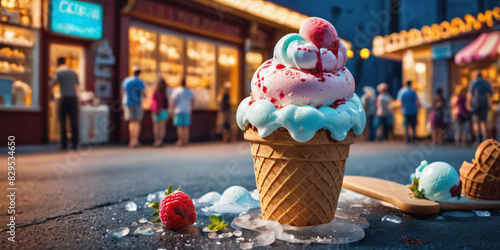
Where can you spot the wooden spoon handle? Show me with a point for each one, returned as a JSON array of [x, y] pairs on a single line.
[[392, 192]]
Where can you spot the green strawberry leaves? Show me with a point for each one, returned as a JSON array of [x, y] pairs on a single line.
[[414, 189], [169, 190], [217, 223], [155, 205]]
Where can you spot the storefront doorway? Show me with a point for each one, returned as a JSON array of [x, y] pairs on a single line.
[[75, 59]]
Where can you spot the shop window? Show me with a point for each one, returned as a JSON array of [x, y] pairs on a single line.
[[21, 12], [200, 73], [143, 53], [18, 86], [171, 59], [205, 66], [228, 73]]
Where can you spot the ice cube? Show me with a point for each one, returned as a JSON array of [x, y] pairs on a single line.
[[118, 233], [224, 209], [238, 233], [240, 239], [134, 224], [151, 197], [440, 218], [226, 235], [266, 238], [236, 194], [206, 230], [340, 231], [482, 213], [209, 198], [161, 195], [458, 214], [131, 206], [157, 227], [392, 218], [143, 220], [255, 194], [246, 245], [144, 230], [213, 235], [244, 216]]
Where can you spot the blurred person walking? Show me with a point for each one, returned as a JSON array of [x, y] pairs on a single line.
[[182, 101], [369, 101], [409, 108], [159, 112], [479, 101], [437, 117], [225, 111], [68, 104], [132, 93], [461, 115], [384, 110]]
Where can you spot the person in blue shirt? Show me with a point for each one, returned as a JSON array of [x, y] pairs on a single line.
[[478, 101], [409, 107], [132, 93]]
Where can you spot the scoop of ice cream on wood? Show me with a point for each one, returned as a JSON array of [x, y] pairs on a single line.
[[437, 181]]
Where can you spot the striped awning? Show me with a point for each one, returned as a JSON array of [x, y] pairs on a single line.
[[486, 46]]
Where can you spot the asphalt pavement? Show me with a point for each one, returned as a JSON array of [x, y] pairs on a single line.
[[72, 199]]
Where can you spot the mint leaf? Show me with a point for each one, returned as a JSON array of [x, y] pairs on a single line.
[[217, 223], [157, 220], [157, 213], [213, 219]]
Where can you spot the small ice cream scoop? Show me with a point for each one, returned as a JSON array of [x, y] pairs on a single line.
[[437, 181]]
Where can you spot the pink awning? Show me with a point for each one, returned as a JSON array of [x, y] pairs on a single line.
[[486, 46]]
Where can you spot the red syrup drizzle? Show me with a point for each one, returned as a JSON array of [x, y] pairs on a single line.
[[280, 66], [251, 100], [266, 65], [337, 102], [264, 89]]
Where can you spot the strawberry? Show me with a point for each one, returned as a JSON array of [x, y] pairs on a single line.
[[176, 210]]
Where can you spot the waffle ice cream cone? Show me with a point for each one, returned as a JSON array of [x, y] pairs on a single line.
[[481, 178], [299, 183]]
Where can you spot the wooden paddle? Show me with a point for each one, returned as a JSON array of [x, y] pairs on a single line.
[[401, 196]]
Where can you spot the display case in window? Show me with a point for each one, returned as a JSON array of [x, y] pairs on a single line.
[[200, 73], [18, 86], [21, 12], [143, 53], [171, 60]]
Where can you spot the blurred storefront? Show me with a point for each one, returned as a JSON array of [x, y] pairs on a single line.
[[20, 102], [444, 55], [209, 43], [37, 32]]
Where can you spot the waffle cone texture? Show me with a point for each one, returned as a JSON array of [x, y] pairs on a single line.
[[299, 183], [481, 178]]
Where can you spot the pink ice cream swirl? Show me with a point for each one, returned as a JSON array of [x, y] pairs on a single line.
[[307, 69]]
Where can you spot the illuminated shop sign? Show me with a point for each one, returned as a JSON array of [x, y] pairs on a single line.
[[436, 32], [268, 11], [76, 18]]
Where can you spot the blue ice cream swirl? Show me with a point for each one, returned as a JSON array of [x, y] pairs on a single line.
[[302, 122]]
